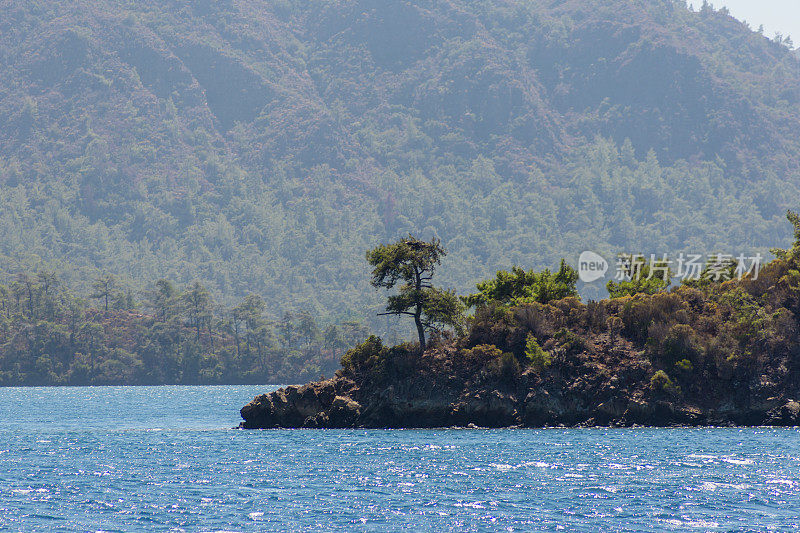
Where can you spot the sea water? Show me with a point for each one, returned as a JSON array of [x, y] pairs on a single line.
[[166, 459]]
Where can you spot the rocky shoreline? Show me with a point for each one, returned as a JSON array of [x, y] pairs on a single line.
[[425, 397], [311, 407]]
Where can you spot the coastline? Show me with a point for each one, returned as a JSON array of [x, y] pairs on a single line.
[[316, 406]]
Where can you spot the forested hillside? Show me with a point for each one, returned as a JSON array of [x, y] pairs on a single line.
[[263, 146], [51, 337]]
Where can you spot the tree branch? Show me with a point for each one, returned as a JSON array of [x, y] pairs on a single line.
[[397, 313]]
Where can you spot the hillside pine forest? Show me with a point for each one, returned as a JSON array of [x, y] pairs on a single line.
[[188, 190]]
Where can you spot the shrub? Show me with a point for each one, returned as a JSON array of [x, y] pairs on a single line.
[[723, 351], [519, 286], [660, 382], [657, 335], [481, 354], [615, 326], [502, 314], [596, 315], [538, 359], [541, 319], [570, 342], [681, 343], [749, 319], [643, 281], [693, 297], [366, 355], [506, 367]]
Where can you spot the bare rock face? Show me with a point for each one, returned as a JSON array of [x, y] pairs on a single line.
[[449, 387], [313, 405], [340, 403], [787, 414], [344, 412]]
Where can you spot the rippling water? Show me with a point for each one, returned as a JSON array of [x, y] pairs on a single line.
[[164, 458]]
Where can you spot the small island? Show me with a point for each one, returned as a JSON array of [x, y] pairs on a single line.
[[717, 351]]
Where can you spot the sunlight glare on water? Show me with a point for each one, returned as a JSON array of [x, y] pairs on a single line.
[[165, 458]]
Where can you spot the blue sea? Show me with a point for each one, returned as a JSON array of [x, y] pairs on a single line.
[[166, 459]]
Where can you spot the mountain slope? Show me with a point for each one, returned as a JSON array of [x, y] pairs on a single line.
[[263, 146]]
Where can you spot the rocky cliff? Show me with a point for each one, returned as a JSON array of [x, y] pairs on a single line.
[[612, 387]]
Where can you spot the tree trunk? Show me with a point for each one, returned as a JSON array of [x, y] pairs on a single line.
[[261, 358], [238, 342], [420, 327], [418, 311]]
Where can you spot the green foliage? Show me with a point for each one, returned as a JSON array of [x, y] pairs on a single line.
[[163, 299], [406, 260], [365, 356], [413, 262], [716, 271], [506, 367], [538, 359], [748, 320], [197, 303], [146, 167], [615, 325], [792, 255], [680, 343], [481, 354], [520, 287], [50, 337], [642, 277], [661, 382], [443, 308], [639, 313], [570, 341], [710, 338]]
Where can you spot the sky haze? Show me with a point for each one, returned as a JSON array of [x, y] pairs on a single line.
[[776, 15]]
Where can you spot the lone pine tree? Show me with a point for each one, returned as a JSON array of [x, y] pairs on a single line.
[[413, 262]]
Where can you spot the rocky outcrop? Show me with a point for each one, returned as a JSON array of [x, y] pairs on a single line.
[[315, 406], [472, 395], [721, 354]]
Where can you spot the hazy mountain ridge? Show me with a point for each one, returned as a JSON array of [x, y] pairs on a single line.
[[263, 146]]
